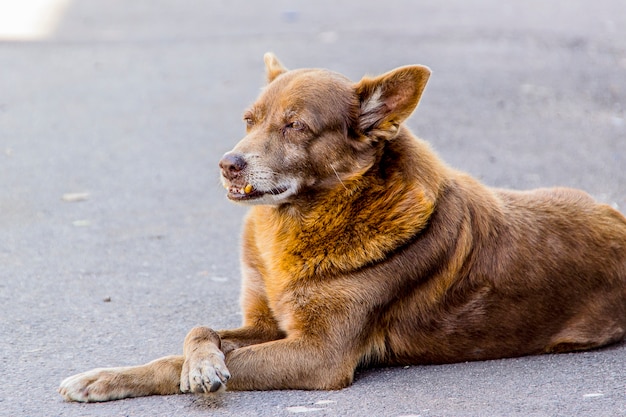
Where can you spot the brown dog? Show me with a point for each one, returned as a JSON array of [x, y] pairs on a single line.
[[363, 248]]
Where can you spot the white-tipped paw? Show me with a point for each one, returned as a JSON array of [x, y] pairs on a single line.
[[205, 374], [92, 386]]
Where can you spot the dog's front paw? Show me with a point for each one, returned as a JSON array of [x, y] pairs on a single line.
[[92, 386], [204, 373]]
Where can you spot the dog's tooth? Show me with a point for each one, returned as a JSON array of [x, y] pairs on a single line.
[[248, 189]]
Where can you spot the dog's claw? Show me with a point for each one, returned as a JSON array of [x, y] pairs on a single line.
[[216, 385]]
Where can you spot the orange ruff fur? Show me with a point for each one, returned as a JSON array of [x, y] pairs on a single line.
[[363, 248]]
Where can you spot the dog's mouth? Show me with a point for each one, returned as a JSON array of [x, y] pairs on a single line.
[[249, 192]]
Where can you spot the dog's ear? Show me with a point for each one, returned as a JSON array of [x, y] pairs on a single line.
[[387, 100], [273, 67]]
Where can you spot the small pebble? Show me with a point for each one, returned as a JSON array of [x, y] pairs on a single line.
[[74, 197]]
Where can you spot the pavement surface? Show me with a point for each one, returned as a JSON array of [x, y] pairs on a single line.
[[116, 237]]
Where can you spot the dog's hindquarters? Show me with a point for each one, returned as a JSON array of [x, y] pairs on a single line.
[[580, 247]]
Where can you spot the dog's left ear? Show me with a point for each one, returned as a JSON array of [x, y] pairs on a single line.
[[387, 100], [273, 67]]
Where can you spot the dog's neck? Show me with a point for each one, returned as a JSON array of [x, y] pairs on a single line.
[[366, 217]]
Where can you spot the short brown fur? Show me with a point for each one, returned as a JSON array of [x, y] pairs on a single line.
[[363, 248]]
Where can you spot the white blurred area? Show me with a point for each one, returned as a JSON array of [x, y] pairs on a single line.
[[30, 19]]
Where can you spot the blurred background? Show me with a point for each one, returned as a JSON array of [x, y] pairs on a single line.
[[116, 238]]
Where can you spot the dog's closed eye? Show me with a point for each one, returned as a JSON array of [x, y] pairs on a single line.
[[296, 125], [249, 121]]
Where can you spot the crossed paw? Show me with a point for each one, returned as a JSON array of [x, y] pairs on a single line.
[[204, 373]]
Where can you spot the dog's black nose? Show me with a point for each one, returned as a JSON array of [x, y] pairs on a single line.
[[232, 164]]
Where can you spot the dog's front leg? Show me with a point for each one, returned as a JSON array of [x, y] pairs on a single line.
[[159, 377], [291, 363]]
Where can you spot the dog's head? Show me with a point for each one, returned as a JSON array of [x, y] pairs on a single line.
[[313, 129]]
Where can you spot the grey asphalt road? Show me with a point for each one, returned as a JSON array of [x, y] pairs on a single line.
[[132, 103]]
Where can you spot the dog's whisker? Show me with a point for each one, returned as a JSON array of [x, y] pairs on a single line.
[[339, 178]]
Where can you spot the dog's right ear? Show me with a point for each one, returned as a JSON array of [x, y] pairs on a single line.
[[273, 67], [387, 100]]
